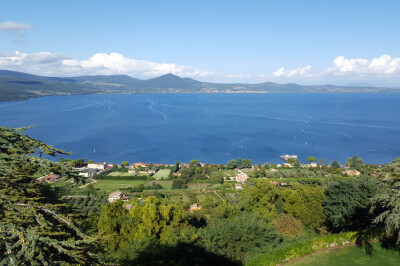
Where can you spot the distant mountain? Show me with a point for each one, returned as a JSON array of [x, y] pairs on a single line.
[[20, 86]]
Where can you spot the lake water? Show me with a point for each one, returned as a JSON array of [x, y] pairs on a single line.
[[164, 128]]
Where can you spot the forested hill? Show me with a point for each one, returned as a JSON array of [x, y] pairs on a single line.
[[21, 86]]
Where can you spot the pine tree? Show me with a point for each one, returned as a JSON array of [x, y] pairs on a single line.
[[33, 227]]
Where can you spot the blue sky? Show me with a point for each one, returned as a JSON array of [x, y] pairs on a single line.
[[337, 42]]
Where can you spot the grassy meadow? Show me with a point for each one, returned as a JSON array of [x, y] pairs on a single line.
[[113, 185], [350, 255], [164, 173]]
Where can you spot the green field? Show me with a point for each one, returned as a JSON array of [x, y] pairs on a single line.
[[113, 185], [165, 184], [164, 173], [351, 255], [228, 172]]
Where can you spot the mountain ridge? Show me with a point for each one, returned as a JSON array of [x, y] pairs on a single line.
[[21, 86]]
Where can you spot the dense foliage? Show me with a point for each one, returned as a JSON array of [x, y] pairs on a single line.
[[33, 227], [279, 214]]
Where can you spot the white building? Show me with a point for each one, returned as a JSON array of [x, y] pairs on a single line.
[[241, 177], [98, 166], [114, 196]]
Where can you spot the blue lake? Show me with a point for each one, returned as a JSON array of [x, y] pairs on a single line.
[[164, 128]]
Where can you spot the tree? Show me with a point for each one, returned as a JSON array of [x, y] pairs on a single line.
[[291, 160], [354, 161], [235, 238], [194, 163], [33, 228], [305, 203], [321, 160], [287, 225], [150, 165], [335, 165], [177, 184], [347, 205], [78, 163], [112, 225], [311, 159], [216, 178], [386, 204], [90, 161], [247, 163], [124, 164], [262, 198], [176, 167], [231, 164]]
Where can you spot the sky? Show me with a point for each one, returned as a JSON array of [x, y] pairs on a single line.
[[286, 41]]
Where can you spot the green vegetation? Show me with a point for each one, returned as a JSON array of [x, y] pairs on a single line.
[[162, 174], [22, 86], [113, 185], [193, 216], [343, 256]]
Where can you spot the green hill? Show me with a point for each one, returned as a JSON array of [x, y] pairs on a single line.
[[21, 86]]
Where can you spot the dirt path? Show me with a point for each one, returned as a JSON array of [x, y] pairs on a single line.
[[94, 181], [219, 196]]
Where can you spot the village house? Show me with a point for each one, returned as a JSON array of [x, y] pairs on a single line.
[[151, 171], [278, 184], [97, 166], [275, 183], [238, 186], [88, 173], [52, 178], [351, 173], [195, 207], [312, 164], [138, 164], [177, 174], [241, 177], [113, 196], [124, 198], [132, 171]]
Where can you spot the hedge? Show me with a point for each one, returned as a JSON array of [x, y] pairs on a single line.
[[300, 249], [109, 177]]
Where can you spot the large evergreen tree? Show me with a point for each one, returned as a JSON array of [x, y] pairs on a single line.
[[386, 204], [33, 229]]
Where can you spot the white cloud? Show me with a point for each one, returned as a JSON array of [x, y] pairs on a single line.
[[46, 63], [14, 26], [384, 65], [382, 68], [297, 72]]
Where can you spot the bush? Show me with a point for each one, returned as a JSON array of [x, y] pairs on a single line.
[[238, 237], [109, 177], [177, 184], [302, 248], [287, 225]]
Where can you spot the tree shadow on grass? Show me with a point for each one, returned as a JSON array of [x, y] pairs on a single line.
[[182, 254]]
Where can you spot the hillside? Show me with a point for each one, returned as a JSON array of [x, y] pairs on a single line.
[[21, 86]]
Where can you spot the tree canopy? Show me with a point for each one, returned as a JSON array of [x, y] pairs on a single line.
[[33, 228]]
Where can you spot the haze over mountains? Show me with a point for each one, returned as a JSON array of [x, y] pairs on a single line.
[[21, 86]]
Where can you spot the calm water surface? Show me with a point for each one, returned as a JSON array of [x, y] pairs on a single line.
[[164, 128]]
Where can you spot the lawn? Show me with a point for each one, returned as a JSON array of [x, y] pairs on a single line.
[[164, 173], [351, 255], [165, 184], [114, 185], [228, 172]]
